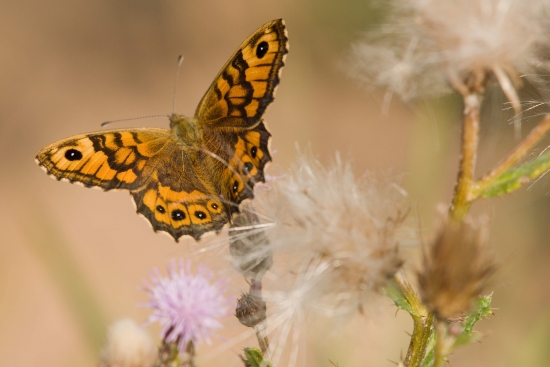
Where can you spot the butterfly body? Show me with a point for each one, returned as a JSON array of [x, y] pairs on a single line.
[[189, 179]]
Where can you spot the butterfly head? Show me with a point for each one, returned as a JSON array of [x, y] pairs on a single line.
[[185, 128]]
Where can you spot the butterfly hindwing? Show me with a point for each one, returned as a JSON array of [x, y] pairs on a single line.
[[245, 86], [181, 203]]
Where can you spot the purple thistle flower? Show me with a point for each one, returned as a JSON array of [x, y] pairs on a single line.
[[186, 305]]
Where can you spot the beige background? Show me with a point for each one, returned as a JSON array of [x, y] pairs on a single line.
[[71, 258]]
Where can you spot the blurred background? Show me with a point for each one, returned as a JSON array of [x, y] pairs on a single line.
[[71, 259]]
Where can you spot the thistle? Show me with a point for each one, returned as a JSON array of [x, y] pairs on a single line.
[[188, 306]]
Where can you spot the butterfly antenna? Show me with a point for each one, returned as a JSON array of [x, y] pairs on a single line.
[[135, 118], [180, 61]]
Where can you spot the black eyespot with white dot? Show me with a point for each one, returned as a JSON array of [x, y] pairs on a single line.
[[178, 215], [235, 187], [261, 49], [253, 152], [161, 209], [73, 155], [247, 168], [200, 214], [214, 206]]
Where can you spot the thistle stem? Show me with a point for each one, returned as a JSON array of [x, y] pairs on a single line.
[[470, 138], [467, 190], [262, 338], [422, 330], [260, 328], [440, 344], [422, 325], [170, 356], [190, 354]]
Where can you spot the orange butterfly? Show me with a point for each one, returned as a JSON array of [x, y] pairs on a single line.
[[188, 180]]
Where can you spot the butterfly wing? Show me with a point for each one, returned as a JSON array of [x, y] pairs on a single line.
[[241, 157], [179, 198], [158, 172], [111, 159], [245, 86]]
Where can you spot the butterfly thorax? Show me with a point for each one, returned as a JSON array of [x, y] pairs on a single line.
[[186, 129]]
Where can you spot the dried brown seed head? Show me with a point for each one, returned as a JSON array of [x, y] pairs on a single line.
[[456, 268]]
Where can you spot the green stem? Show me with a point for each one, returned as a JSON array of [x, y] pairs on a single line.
[[422, 325], [190, 354], [422, 330], [440, 347], [470, 139]]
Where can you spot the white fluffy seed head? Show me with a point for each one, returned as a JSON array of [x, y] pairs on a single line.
[[128, 345], [428, 44], [334, 237]]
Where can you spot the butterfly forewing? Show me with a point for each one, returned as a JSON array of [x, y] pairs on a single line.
[[115, 159], [245, 86]]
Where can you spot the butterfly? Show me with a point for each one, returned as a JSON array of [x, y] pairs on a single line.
[[189, 179]]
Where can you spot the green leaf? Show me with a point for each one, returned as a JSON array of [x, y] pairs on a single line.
[[254, 358], [481, 310], [514, 178], [400, 299]]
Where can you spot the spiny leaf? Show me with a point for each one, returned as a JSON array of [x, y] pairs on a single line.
[[400, 299], [255, 358], [481, 310], [514, 178]]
